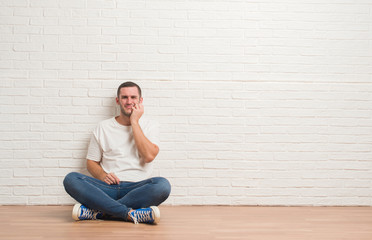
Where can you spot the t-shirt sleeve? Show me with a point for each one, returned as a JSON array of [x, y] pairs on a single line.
[[94, 150]]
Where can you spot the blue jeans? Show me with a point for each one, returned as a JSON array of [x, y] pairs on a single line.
[[116, 200]]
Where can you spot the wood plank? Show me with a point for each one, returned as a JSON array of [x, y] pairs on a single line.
[[194, 222]]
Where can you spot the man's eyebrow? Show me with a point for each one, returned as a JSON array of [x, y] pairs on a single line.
[[133, 96]]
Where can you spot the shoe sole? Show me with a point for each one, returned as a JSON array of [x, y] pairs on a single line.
[[75, 211], [156, 212]]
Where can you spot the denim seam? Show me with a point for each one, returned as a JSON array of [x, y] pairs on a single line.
[[138, 184], [97, 183]]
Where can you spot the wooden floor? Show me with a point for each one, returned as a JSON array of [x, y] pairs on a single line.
[[194, 222]]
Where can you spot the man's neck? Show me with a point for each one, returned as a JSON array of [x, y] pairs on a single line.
[[123, 120]]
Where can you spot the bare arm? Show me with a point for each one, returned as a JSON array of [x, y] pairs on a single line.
[[97, 172], [147, 150]]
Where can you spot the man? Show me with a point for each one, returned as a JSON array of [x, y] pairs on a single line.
[[119, 158]]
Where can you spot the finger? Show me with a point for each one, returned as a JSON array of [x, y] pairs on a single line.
[[111, 178], [106, 180], [114, 178], [117, 180]]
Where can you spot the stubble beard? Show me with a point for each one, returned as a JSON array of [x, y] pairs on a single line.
[[127, 114]]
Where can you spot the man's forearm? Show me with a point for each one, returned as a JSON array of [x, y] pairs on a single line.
[[96, 170], [146, 148]]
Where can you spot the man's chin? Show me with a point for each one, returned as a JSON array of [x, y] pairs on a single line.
[[127, 114]]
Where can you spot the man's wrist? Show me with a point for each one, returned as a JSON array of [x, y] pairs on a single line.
[[134, 122]]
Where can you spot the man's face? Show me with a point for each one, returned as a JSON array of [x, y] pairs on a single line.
[[128, 97]]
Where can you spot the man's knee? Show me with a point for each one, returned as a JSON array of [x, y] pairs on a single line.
[[164, 186], [70, 178]]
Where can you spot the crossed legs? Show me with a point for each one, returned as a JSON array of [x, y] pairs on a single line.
[[116, 200]]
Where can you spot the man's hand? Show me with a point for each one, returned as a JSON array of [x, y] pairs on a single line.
[[137, 112], [146, 149], [111, 179]]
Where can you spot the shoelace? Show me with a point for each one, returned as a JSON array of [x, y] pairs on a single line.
[[141, 216], [87, 213]]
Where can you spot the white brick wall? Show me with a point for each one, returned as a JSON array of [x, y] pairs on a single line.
[[260, 102]]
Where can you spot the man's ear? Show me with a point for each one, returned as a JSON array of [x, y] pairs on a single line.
[[117, 100], [141, 100]]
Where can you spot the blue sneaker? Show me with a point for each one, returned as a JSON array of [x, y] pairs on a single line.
[[81, 212], [149, 215]]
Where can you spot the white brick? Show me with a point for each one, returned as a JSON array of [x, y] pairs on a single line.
[[254, 109], [56, 172], [76, 145], [57, 101], [6, 173], [59, 136], [14, 145], [8, 154], [86, 101], [190, 200], [26, 136], [73, 93], [214, 164], [22, 156], [54, 191], [50, 181], [28, 191], [14, 181], [43, 163], [65, 200], [38, 145], [72, 163], [202, 191], [105, 111], [231, 192], [43, 200], [14, 92], [73, 110], [102, 93], [58, 119], [206, 173], [191, 164], [13, 200], [29, 100], [217, 200], [172, 173], [28, 172], [6, 100], [14, 109], [102, 75], [187, 182], [115, 66]]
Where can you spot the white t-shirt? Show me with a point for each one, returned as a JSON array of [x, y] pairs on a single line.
[[112, 144]]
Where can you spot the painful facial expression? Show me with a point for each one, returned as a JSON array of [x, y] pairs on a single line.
[[128, 97]]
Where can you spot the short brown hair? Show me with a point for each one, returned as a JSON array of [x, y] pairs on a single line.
[[129, 84]]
